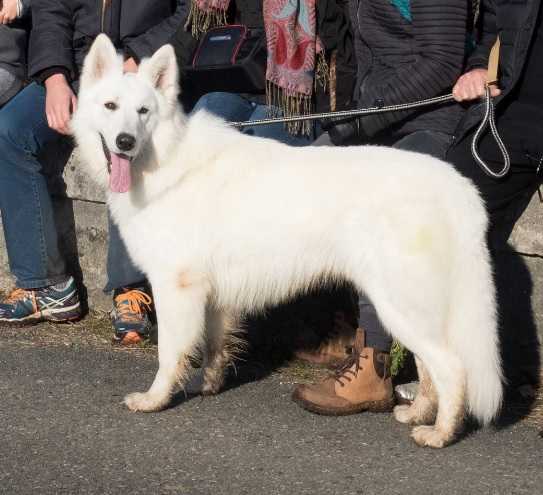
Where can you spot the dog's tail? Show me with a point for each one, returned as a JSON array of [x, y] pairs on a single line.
[[473, 330]]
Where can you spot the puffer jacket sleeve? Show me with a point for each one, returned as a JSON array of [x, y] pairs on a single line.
[[439, 35], [51, 37], [488, 34], [147, 43]]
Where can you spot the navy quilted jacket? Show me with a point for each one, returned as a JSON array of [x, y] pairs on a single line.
[[63, 30], [408, 50]]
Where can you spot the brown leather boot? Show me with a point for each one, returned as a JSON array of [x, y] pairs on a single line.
[[334, 349], [362, 383]]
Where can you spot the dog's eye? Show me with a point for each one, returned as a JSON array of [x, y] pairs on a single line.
[[143, 110], [110, 105]]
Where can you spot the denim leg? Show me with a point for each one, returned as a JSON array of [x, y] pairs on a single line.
[[228, 106], [234, 108], [121, 272], [275, 131], [25, 203], [432, 143]]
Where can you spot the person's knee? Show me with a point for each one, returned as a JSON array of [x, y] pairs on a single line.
[[228, 106], [14, 132], [210, 101]]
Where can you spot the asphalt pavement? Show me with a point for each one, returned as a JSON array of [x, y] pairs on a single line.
[[63, 430]]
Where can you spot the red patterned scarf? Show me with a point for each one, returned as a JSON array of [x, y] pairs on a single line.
[[295, 53], [295, 58]]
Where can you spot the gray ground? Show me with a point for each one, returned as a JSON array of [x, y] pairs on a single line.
[[63, 430]]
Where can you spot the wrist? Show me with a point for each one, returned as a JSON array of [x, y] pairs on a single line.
[[55, 80]]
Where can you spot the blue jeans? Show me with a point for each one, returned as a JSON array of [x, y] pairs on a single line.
[[234, 108], [25, 202]]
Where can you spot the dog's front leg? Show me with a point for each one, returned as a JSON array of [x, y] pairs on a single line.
[[180, 316], [223, 346]]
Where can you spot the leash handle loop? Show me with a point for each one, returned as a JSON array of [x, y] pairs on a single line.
[[488, 120]]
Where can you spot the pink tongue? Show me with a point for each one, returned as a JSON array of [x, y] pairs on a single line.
[[120, 178]]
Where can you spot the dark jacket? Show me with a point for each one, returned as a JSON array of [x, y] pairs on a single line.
[[63, 30], [408, 51], [13, 44], [514, 22]]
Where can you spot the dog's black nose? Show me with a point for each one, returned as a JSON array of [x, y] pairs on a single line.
[[125, 141]]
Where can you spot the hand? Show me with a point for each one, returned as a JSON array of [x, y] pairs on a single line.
[[471, 86], [8, 12], [130, 65], [60, 102]]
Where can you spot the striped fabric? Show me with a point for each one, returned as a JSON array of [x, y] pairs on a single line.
[[402, 60]]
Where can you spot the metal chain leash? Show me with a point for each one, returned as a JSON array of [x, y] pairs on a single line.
[[488, 118], [359, 112]]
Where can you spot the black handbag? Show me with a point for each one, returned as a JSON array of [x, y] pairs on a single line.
[[230, 58]]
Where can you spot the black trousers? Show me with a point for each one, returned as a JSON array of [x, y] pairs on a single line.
[[508, 197]]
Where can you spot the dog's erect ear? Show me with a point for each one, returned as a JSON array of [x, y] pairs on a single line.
[[101, 60], [161, 70]]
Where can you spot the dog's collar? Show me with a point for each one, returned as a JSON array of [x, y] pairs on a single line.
[[107, 153]]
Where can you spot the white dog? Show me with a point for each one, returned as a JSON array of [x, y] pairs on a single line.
[[224, 224]]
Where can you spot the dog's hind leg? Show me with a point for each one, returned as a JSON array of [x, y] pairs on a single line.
[[449, 379], [424, 408], [222, 347], [417, 330], [180, 316]]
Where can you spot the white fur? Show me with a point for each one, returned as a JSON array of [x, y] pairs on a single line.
[[226, 223]]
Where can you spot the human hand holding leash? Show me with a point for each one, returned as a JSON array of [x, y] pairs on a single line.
[[60, 102], [472, 84], [8, 13]]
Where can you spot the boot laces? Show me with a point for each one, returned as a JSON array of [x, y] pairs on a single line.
[[351, 366], [17, 295], [130, 304]]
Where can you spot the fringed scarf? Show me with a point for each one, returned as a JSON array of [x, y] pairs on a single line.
[[296, 61], [206, 14]]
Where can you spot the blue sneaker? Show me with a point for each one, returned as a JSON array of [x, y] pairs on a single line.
[[58, 303], [131, 316]]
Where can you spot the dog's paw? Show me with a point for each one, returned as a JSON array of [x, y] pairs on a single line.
[[144, 402], [210, 389], [415, 414], [403, 414], [430, 436], [213, 381]]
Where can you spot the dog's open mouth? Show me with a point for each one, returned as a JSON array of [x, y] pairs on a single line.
[[118, 166]]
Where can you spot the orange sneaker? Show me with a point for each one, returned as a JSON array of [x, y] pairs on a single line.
[[131, 316]]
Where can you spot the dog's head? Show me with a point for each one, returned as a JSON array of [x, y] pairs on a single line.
[[118, 113]]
